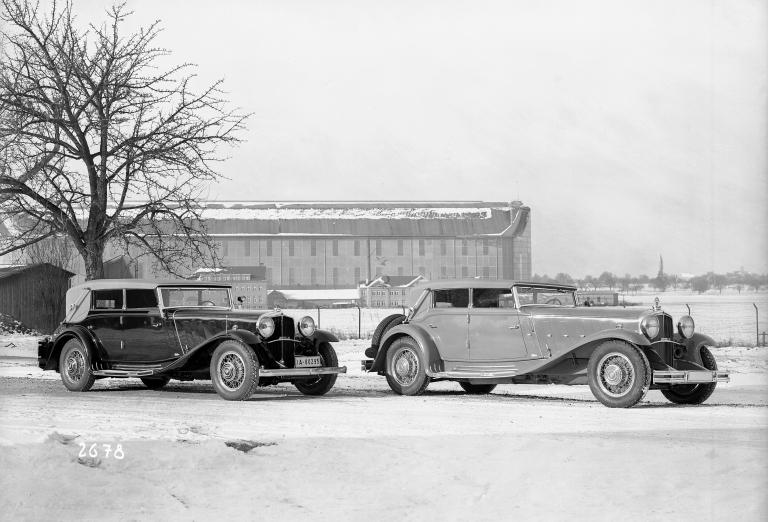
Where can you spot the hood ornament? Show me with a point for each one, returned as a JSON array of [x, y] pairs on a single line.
[[656, 304]]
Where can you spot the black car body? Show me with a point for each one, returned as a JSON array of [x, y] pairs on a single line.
[[184, 330]]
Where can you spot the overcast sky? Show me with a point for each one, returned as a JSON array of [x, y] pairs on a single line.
[[631, 129]]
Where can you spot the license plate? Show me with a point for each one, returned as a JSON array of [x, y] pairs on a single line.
[[308, 362]]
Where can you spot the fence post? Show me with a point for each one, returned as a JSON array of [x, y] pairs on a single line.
[[757, 325], [359, 323], [318, 317]]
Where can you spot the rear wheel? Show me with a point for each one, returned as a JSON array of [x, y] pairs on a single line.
[[406, 372], [619, 374], [155, 383], [477, 389], [323, 383], [693, 393], [75, 366], [234, 370]]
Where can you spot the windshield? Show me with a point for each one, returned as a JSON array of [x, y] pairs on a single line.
[[175, 297], [528, 295]]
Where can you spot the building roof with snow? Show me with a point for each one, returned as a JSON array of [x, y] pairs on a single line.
[[366, 218]]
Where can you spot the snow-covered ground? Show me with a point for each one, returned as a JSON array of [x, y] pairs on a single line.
[[361, 452]]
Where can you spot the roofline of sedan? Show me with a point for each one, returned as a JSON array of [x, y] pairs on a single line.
[[486, 283], [103, 284]]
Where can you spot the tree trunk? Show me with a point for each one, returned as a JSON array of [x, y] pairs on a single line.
[[94, 262]]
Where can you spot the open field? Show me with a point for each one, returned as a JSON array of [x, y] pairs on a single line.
[[363, 452]]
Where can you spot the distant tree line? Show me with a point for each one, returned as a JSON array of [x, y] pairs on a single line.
[[739, 280]]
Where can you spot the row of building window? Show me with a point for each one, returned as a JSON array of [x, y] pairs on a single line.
[[388, 292], [384, 303], [483, 246]]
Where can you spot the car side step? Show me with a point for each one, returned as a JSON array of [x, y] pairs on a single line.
[[122, 373], [301, 372]]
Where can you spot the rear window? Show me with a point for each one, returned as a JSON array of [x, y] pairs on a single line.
[[107, 299], [453, 298], [140, 299]]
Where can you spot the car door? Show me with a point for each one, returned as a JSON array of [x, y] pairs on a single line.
[[495, 332], [146, 332], [446, 322], [105, 321]]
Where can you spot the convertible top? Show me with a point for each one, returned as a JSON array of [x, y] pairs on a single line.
[[486, 283]]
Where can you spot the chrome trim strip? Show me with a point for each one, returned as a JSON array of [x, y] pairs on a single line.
[[688, 377], [301, 372], [475, 374]]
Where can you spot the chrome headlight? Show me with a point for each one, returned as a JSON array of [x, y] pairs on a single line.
[[307, 326], [686, 326], [266, 327], [650, 326]]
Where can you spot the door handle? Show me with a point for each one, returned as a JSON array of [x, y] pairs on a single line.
[[155, 324], [516, 327], [432, 326]]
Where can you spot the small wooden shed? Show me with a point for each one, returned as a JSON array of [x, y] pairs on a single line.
[[34, 294]]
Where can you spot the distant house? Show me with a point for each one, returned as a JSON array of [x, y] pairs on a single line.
[[248, 283], [388, 291], [324, 298], [34, 294]]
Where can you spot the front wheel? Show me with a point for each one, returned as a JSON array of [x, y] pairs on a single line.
[[75, 366], [693, 393], [477, 389], [234, 370], [322, 384], [619, 374], [406, 372]]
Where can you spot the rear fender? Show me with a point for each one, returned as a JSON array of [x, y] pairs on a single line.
[[95, 353], [434, 363]]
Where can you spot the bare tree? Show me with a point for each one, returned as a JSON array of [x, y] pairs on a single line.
[[99, 145]]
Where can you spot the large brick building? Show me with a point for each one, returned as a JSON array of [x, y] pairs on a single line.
[[339, 245]]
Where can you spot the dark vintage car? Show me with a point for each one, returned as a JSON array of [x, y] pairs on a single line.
[[484, 333], [184, 330]]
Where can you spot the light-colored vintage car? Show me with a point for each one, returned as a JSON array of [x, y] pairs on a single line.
[[186, 330], [483, 333]]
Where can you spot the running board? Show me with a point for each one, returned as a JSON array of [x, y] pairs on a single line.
[[482, 374], [122, 373], [301, 372]]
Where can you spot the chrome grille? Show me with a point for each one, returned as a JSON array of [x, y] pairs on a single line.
[[667, 326]]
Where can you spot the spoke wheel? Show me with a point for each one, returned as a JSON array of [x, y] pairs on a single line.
[[406, 372], [75, 366], [619, 374], [234, 370]]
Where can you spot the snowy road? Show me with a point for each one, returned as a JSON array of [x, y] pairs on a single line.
[[526, 452]]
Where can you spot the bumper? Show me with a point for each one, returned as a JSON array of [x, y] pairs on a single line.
[[301, 372], [689, 377], [366, 365], [44, 347]]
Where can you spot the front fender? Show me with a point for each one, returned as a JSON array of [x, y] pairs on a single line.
[[323, 336], [245, 336], [693, 348], [426, 344]]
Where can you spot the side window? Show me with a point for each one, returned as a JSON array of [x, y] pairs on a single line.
[[107, 299], [525, 295], [140, 299], [454, 298], [490, 297]]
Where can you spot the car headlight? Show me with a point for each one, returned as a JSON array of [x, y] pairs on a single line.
[[650, 326], [686, 326], [266, 327], [307, 326]]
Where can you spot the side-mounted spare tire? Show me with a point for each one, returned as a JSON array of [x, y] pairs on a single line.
[[693, 393], [387, 323]]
